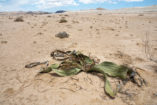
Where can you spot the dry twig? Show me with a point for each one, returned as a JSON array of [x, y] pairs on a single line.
[[148, 49]]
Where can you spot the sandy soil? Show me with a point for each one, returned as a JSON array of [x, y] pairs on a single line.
[[116, 37]]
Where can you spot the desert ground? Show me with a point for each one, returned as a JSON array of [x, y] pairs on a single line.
[[122, 36]]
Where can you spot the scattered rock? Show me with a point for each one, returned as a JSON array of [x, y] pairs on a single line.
[[79, 29], [131, 35], [155, 48], [49, 16], [4, 42], [91, 27], [99, 14], [62, 35], [34, 42], [140, 14], [110, 28], [66, 15], [40, 33]]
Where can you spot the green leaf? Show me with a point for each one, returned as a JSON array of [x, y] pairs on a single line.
[[69, 72], [49, 69], [111, 69], [54, 66], [88, 60], [46, 70], [109, 90]]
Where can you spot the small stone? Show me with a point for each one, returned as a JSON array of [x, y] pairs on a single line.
[[34, 42], [62, 35], [4, 42]]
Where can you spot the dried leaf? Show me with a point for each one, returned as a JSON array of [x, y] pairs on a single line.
[[49, 69]]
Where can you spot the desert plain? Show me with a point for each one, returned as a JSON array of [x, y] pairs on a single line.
[[125, 36]]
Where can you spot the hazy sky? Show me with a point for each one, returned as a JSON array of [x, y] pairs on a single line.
[[53, 5]]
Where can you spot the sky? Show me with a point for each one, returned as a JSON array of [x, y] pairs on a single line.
[[70, 5]]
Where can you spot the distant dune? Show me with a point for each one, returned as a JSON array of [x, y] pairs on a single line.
[[148, 9]]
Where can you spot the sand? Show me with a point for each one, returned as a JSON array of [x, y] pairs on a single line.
[[120, 37]]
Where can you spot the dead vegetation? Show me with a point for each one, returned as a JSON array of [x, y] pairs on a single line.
[[74, 62], [149, 50], [19, 19], [63, 20]]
